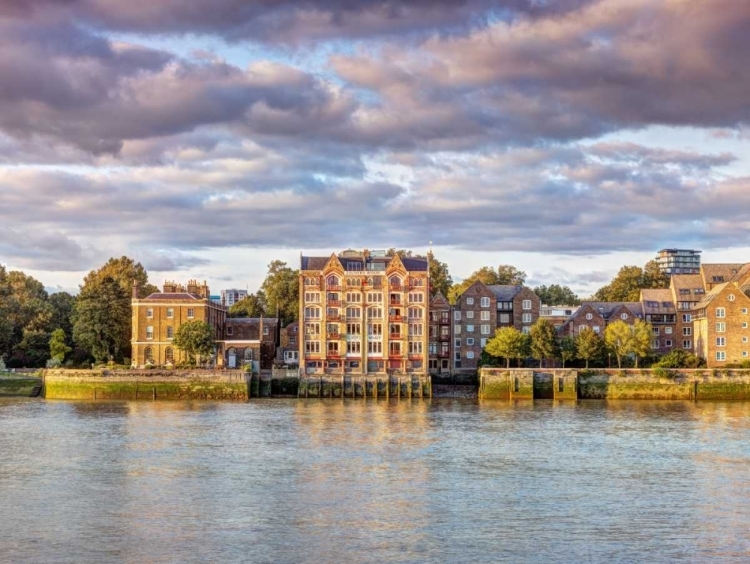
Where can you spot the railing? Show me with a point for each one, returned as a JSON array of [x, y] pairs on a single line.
[[395, 336], [444, 355], [394, 318], [333, 336], [333, 288], [334, 317], [333, 302], [444, 338], [395, 302]]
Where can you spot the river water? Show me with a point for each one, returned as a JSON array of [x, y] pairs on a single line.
[[324, 481]]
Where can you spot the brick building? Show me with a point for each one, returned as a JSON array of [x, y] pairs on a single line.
[[596, 316], [659, 310], [156, 318], [440, 335], [364, 312], [248, 341]]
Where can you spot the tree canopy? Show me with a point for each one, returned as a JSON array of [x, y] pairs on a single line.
[[254, 305], [544, 345], [589, 345], [101, 319], [554, 294], [440, 278], [508, 343], [196, 339], [504, 274], [281, 291], [630, 280]]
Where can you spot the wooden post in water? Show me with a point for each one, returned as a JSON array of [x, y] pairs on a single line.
[[388, 387], [94, 394], [320, 387], [399, 387], [153, 394], [136, 389]]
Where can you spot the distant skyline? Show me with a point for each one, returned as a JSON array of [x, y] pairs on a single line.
[[205, 139]]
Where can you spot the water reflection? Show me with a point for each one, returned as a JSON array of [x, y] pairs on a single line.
[[386, 481]]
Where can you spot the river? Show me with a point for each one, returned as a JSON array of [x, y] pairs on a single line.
[[319, 481]]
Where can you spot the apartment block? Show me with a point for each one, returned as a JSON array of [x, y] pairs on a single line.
[[721, 325], [679, 261], [659, 310], [232, 296], [596, 316], [440, 335], [364, 312]]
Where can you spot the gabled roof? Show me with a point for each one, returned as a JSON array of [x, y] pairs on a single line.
[[439, 301], [718, 273], [661, 296], [505, 292], [313, 263], [605, 309], [711, 296], [360, 263]]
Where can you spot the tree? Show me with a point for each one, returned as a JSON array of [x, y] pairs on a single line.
[[62, 311], [630, 280], [588, 345], [58, 347], [196, 339], [33, 350], [508, 343], [679, 358], [543, 341], [254, 305], [281, 289], [555, 294], [510, 275], [101, 319], [440, 278], [619, 338], [126, 272], [641, 342], [567, 349]]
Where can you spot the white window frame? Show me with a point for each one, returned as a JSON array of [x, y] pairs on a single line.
[[526, 304], [485, 302]]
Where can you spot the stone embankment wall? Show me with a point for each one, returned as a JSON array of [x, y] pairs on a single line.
[[350, 386], [18, 385], [146, 384], [615, 384]]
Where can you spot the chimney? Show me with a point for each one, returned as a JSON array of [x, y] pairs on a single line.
[[135, 290]]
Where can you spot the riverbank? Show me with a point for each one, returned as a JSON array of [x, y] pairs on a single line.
[[18, 385]]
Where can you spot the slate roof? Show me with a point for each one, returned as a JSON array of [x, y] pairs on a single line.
[[505, 292], [711, 295], [719, 272], [605, 309], [357, 264], [661, 297]]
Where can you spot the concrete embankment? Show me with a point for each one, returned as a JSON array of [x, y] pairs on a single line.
[[352, 386], [657, 384], [146, 384]]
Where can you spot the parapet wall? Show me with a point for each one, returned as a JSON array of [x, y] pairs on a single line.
[[657, 384]]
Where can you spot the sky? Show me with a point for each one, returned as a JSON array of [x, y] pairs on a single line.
[[205, 139]]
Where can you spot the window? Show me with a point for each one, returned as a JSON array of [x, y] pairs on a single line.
[[149, 332], [730, 297], [721, 355], [526, 318], [353, 328], [483, 342], [686, 318], [687, 331], [721, 341], [457, 316], [469, 354], [170, 313], [686, 345], [721, 327], [655, 344], [230, 330], [485, 302], [312, 347], [469, 315], [744, 311], [375, 329], [504, 318], [667, 330], [375, 347], [169, 355], [333, 347], [457, 329], [589, 316], [526, 330], [744, 324], [485, 330], [394, 348], [469, 301], [265, 330], [352, 297], [190, 313], [374, 297], [485, 316], [526, 304], [332, 281], [655, 331], [148, 355], [744, 354], [469, 341], [150, 313], [415, 329], [312, 312], [312, 328], [457, 356], [469, 328], [353, 347], [170, 332], [416, 297], [375, 312], [744, 339], [353, 312], [721, 313], [415, 313], [668, 343], [596, 329], [415, 347], [623, 316], [457, 343], [312, 296]]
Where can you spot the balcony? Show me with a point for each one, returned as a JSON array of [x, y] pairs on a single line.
[[395, 302], [395, 318], [444, 355], [334, 317], [333, 355], [333, 303], [415, 356], [333, 287], [396, 336], [444, 338], [333, 336]]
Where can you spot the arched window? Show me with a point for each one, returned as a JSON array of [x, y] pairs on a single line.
[[169, 355], [332, 280], [232, 352], [248, 354], [148, 355], [395, 281]]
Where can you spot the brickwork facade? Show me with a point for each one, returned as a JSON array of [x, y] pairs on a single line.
[[720, 322]]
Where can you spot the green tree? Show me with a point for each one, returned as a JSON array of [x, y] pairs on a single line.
[[33, 350], [440, 278], [567, 349], [281, 290], [544, 344], [126, 272], [641, 341], [507, 343], [254, 305], [101, 319], [589, 345], [554, 294], [58, 347], [62, 313], [619, 338], [679, 358], [630, 280], [510, 275], [196, 339]]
